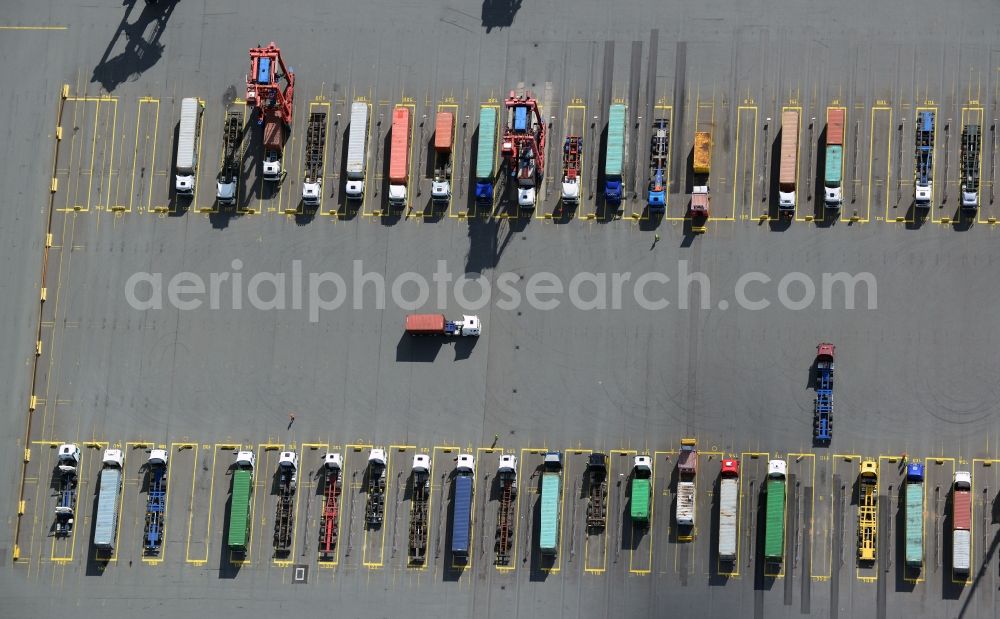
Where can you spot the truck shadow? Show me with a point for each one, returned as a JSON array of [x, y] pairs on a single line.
[[418, 349], [499, 13], [97, 564], [763, 574], [604, 212], [178, 205], [963, 219], [650, 220], [915, 218], [775, 222], [489, 237], [140, 53], [950, 590]]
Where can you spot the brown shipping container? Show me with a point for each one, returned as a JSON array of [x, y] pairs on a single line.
[[963, 508], [399, 155], [442, 130], [425, 323], [273, 132], [789, 146], [835, 126]]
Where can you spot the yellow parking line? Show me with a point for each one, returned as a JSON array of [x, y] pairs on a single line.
[[135, 153], [736, 158], [34, 28], [871, 161], [211, 494]]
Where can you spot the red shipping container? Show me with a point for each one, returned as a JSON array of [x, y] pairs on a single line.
[[835, 126], [963, 510], [399, 155], [425, 323], [442, 130]]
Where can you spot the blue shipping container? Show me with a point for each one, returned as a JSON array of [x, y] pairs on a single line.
[[462, 516], [520, 119], [264, 71]]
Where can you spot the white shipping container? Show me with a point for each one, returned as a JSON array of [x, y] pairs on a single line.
[[685, 503], [357, 141], [186, 136], [728, 495], [106, 522], [960, 550]]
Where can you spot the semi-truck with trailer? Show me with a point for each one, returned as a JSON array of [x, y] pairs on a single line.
[[728, 508], [486, 155], [357, 151], [642, 490], [156, 502], [506, 518], [399, 156], [701, 169], [187, 146], [614, 162], [833, 173], [461, 532], [312, 175], [867, 510], [333, 467], [444, 138], [659, 150], [420, 498], [437, 324], [914, 506], [68, 467], [274, 145], [238, 536], [687, 468], [109, 500], [774, 514], [924, 159], [284, 516], [597, 492], [229, 172], [970, 166], [572, 154], [961, 522], [375, 485], [823, 407], [549, 505], [788, 170]]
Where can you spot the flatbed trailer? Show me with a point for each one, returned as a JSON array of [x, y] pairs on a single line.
[[328, 528], [597, 492], [970, 166], [507, 474], [232, 141], [924, 159], [284, 517], [156, 502], [375, 486], [823, 409], [312, 179], [867, 510], [68, 464], [420, 478], [659, 150]]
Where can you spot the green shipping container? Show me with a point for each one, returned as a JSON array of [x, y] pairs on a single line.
[[548, 535], [834, 165], [239, 509], [616, 140], [640, 499], [914, 523], [487, 150], [774, 525]]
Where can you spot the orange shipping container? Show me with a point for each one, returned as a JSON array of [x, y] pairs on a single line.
[[789, 147], [399, 155], [425, 323], [442, 130], [835, 126]]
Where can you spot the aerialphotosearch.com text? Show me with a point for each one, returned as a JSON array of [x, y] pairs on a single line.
[[319, 292]]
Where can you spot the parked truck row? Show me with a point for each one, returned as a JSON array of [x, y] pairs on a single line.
[[520, 151], [639, 495]]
